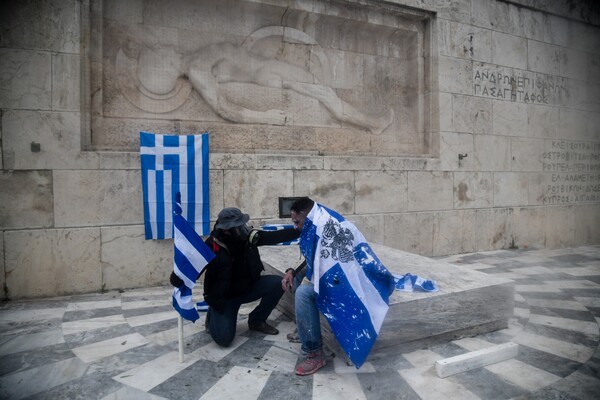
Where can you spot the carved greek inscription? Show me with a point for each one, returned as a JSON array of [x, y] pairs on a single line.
[[519, 86], [574, 172]]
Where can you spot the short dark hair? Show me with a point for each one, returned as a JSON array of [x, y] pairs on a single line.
[[304, 204]]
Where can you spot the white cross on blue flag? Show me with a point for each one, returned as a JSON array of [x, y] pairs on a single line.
[[171, 164], [190, 256], [352, 285]]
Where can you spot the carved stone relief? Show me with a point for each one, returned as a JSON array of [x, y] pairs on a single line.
[[266, 71]]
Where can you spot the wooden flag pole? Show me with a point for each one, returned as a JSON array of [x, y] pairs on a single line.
[[180, 331]]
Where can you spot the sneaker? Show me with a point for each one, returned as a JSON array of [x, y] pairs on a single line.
[[263, 327], [312, 363]]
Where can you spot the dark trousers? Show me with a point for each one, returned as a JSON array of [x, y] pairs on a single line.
[[222, 324]]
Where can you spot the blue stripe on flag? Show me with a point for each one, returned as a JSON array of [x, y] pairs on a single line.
[[375, 270], [191, 255], [171, 164], [181, 297], [277, 227], [335, 295]]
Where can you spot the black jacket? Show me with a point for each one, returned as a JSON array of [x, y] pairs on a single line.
[[237, 266]]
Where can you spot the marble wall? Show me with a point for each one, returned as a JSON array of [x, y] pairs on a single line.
[[494, 143]]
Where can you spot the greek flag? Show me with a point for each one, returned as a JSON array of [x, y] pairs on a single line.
[[171, 164], [352, 285], [190, 256], [410, 282], [277, 227]]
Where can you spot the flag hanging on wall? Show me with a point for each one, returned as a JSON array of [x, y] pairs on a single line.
[[171, 164], [190, 256]]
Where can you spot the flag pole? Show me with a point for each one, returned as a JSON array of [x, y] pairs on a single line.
[[180, 331]]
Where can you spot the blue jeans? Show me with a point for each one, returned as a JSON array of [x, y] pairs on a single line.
[[307, 318], [222, 324]]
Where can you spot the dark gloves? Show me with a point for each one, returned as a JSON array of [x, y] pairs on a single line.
[[175, 280]]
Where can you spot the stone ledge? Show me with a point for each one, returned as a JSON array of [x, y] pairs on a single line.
[[468, 303]]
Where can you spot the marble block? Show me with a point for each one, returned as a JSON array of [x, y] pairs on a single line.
[[468, 302]]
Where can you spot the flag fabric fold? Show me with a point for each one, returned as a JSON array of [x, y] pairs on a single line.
[[352, 285], [410, 282], [172, 164], [277, 227], [190, 257]]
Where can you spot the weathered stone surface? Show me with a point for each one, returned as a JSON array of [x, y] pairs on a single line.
[[492, 153], [526, 154], [574, 64], [418, 319], [2, 268], [280, 74], [523, 227], [462, 231], [58, 134], [510, 119], [65, 82], [476, 359], [544, 57], [411, 232], [472, 114], [288, 162], [130, 261], [216, 194], [26, 80], [98, 197], [371, 226], [456, 76], [119, 160], [333, 189], [509, 50], [445, 113], [543, 121], [587, 224], [380, 192], [232, 161], [511, 189], [52, 262], [560, 226], [429, 191], [473, 190], [41, 25], [465, 41], [451, 145], [26, 199], [352, 163], [256, 192]]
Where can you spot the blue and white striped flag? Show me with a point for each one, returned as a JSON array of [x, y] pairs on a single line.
[[352, 285], [278, 227], [190, 256], [410, 282], [171, 164]]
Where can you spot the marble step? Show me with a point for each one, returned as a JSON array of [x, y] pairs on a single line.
[[468, 303]]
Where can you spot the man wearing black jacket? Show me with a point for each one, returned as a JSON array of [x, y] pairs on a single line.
[[234, 277]]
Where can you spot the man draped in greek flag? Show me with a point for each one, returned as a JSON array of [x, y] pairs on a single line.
[[349, 285]]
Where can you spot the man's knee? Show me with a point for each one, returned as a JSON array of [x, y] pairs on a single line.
[[223, 340]]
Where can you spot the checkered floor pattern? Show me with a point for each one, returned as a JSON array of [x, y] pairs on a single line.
[[123, 345]]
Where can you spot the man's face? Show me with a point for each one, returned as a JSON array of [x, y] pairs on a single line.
[[298, 219]]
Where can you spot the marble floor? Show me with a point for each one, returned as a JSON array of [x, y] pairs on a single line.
[[123, 345]]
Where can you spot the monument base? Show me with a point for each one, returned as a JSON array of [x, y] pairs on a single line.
[[468, 302]]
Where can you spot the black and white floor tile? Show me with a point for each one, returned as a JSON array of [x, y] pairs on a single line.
[[124, 346]]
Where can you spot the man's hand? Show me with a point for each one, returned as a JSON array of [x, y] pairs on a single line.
[[287, 283], [175, 280]]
